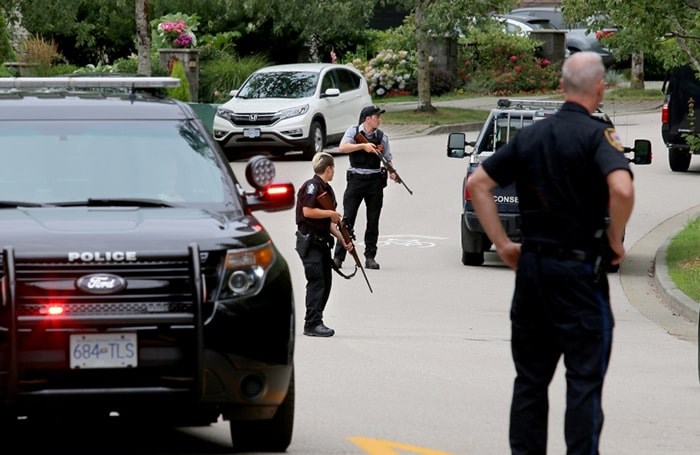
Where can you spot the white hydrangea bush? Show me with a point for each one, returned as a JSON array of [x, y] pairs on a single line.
[[389, 73]]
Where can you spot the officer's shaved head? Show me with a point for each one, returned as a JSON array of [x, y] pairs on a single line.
[[581, 73], [582, 78]]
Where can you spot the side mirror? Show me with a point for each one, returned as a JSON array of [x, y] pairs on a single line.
[[642, 152], [456, 144], [330, 92]]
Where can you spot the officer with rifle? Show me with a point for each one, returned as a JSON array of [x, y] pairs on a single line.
[[316, 227], [368, 148]]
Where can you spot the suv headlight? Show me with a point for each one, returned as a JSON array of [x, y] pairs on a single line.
[[224, 114], [244, 271], [293, 112]]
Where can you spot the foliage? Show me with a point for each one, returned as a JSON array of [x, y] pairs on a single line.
[[85, 30], [668, 31], [502, 64], [219, 76], [174, 30], [7, 54], [683, 260], [38, 55], [182, 92], [442, 81], [388, 72]]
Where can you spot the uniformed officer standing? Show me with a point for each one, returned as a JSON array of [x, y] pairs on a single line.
[[315, 226], [570, 176], [365, 179]]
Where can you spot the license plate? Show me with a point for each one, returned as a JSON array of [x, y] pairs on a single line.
[[103, 350], [251, 132]]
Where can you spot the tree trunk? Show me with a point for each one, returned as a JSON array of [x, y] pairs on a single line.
[[143, 36], [424, 103], [637, 71]]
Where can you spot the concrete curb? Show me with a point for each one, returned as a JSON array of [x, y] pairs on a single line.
[[668, 291]]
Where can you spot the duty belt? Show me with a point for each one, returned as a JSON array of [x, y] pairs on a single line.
[[555, 251]]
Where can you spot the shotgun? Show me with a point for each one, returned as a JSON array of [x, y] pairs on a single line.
[[326, 203], [361, 139]]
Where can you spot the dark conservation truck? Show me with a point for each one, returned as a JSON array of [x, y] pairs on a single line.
[[503, 123], [136, 282]]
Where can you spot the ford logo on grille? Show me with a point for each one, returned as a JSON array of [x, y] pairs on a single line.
[[101, 283]]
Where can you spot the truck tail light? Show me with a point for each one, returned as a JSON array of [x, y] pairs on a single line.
[[467, 197], [664, 113]]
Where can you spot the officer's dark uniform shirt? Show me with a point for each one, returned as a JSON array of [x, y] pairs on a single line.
[[306, 197], [559, 166]]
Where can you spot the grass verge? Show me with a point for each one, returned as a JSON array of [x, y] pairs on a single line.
[[452, 115], [442, 116], [683, 260]]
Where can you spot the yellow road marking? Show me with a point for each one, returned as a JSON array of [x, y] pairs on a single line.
[[382, 447]]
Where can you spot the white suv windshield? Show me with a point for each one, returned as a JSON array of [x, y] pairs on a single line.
[[285, 84], [48, 162]]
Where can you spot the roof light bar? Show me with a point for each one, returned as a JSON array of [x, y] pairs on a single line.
[[505, 103], [87, 82]]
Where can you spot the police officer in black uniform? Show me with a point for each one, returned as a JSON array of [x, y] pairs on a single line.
[[315, 228], [575, 195], [366, 179]]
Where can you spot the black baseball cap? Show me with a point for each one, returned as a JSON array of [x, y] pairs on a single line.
[[369, 111]]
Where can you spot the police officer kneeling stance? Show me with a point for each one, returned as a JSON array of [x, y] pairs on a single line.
[[570, 177], [315, 226]]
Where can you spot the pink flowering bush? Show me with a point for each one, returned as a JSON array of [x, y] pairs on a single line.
[[175, 31], [502, 64]]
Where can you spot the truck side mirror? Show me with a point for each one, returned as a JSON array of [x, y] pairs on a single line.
[[642, 151], [456, 144]]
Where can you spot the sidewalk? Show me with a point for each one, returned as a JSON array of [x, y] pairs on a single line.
[[669, 294]]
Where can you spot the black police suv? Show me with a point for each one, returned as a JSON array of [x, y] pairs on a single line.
[[679, 115], [135, 280], [503, 123]]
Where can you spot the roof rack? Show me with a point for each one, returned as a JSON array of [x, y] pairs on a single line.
[[505, 103], [87, 82]]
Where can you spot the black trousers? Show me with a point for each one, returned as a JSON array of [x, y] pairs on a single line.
[[558, 310], [370, 189], [319, 277]]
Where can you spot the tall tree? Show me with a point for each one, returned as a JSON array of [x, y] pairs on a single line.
[[143, 36], [440, 18]]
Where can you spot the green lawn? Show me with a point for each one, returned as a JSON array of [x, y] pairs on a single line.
[[683, 260]]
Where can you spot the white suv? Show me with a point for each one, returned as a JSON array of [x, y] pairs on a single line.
[[282, 108]]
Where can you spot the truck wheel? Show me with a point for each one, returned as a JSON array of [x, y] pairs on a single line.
[[317, 140], [472, 258], [678, 159], [273, 435]]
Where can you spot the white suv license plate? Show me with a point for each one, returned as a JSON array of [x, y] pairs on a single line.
[[103, 350], [251, 132]]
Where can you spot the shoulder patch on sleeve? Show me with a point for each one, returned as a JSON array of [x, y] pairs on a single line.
[[311, 188], [614, 139]]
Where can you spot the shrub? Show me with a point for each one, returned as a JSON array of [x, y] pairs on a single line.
[[38, 55], [217, 77], [182, 92], [502, 64], [389, 72], [441, 81]]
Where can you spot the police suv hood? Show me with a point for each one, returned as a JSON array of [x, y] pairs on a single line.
[[263, 105], [53, 231]]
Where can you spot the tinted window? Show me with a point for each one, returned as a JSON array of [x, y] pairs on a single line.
[[286, 84], [347, 80]]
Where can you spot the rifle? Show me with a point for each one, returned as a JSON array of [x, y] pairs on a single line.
[[326, 203], [361, 139]]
